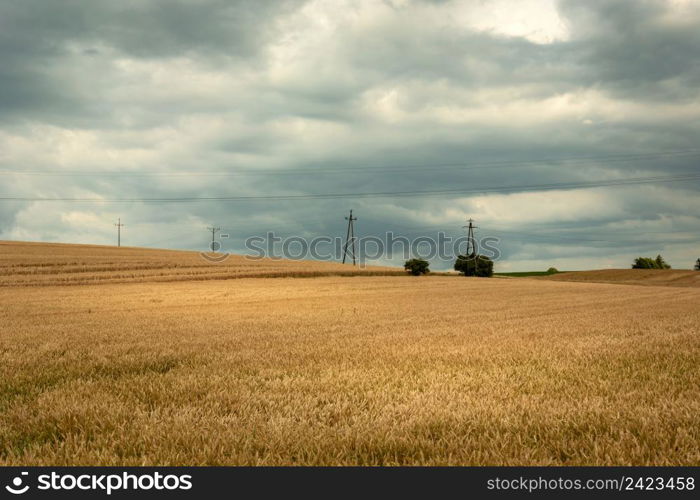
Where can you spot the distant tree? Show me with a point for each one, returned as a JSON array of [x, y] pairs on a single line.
[[474, 265], [697, 265], [552, 270], [649, 263], [417, 266], [644, 263], [661, 263]]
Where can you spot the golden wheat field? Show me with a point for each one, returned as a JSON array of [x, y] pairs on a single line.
[[64, 264], [344, 370], [651, 277]]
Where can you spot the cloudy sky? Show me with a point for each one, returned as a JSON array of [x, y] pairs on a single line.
[[568, 129]]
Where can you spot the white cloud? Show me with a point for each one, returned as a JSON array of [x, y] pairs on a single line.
[[535, 20], [552, 206]]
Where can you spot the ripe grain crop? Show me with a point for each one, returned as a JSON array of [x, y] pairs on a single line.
[[38, 264], [650, 277], [363, 370]]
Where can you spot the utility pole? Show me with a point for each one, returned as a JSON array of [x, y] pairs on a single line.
[[119, 231], [350, 238], [213, 230], [471, 242]]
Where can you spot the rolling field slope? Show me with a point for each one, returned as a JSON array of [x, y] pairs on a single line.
[[31, 264], [332, 370], [649, 277]]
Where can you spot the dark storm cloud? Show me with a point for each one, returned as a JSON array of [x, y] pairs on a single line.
[[348, 91], [631, 47], [38, 39], [152, 29]]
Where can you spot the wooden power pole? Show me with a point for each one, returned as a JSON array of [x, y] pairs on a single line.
[[119, 231]]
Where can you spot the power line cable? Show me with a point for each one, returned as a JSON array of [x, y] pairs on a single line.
[[318, 196]]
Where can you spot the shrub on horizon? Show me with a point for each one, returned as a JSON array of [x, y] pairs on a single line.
[[474, 265], [649, 263], [417, 266]]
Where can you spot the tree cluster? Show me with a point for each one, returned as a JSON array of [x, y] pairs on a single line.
[[474, 265], [417, 266], [649, 263]]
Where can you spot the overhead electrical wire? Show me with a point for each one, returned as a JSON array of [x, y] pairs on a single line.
[[313, 196]]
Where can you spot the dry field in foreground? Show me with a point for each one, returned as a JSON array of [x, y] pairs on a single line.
[[32, 264], [651, 277], [364, 370]]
